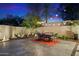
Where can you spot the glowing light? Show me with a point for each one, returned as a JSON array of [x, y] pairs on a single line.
[[38, 22], [51, 18], [56, 15], [55, 19], [64, 10]]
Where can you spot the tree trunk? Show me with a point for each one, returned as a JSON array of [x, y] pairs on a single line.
[[46, 12]]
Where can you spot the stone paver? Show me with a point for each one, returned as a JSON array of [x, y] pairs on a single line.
[[78, 47], [29, 48], [77, 54]]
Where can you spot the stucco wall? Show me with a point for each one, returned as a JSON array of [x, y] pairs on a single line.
[[64, 30], [10, 31], [4, 32]]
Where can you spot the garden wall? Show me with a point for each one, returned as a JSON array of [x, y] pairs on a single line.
[[7, 32], [61, 30], [4, 32]]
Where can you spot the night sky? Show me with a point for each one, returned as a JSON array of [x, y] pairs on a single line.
[[21, 9], [14, 9]]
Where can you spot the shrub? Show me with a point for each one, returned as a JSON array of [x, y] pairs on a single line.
[[63, 37]]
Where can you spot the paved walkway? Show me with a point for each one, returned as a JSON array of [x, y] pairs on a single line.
[[26, 47], [76, 50]]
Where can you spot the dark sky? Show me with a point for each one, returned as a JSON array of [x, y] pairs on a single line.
[[14, 9], [21, 9]]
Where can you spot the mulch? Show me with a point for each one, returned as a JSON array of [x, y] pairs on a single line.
[[49, 43]]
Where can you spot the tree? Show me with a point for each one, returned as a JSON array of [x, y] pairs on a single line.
[[69, 11], [11, 20], [46, 12], [31, 21]]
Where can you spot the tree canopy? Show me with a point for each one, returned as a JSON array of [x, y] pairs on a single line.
[[31, 21]]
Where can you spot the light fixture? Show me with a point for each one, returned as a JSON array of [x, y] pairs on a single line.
[[51, 18], [56, 15], [64, 10]]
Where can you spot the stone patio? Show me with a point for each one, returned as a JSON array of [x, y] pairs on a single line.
[[26, 47], [77, 51]]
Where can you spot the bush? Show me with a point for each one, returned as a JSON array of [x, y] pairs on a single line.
[[63, 37], [54, 34]]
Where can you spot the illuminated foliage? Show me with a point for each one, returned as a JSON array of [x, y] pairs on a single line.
[[31, 21]]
